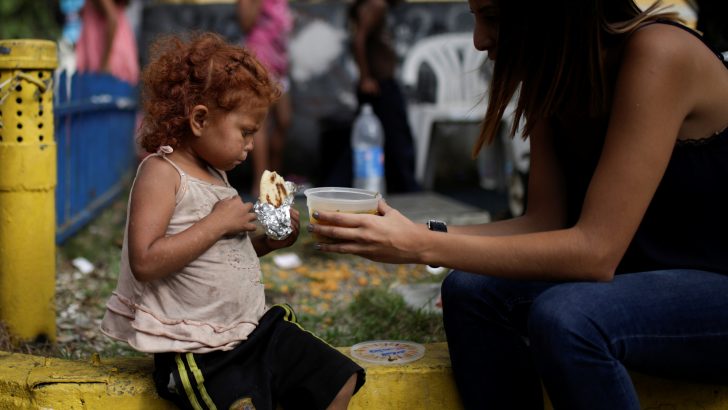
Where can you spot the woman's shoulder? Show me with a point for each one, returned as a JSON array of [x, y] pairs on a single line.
[[667, 43], [674, 54]]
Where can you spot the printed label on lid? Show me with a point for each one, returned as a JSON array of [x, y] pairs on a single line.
[[388, 351]]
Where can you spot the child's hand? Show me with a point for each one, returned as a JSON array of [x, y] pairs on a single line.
[[235, 215], [290, 239]]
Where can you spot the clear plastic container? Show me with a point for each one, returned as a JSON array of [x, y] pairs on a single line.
[[339, 199]]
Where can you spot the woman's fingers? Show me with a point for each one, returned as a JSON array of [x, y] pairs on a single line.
[[369, 251], [340, 218], [353, 248], [383, 208], [337, 232]]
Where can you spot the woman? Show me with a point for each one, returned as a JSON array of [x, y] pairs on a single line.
[[621, 259]]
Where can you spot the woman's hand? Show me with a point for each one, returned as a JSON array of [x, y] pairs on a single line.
[[388, 237]]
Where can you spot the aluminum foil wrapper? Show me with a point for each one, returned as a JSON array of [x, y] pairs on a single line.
[[277, 221]]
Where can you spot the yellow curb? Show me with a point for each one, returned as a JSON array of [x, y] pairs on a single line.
[[37, 382], [34, 382], [423, 384]]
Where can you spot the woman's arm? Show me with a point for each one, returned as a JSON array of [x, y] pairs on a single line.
[[247, 12], [653, 96], [394, 238], [152, 254]]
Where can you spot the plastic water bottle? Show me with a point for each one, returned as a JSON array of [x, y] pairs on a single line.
[[367, 141]]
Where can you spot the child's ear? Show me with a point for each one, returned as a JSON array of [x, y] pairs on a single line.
[[198, 117]]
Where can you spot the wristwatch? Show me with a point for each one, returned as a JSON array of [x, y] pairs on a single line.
[[436, 226]]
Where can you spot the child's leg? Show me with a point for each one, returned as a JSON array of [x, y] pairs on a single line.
[[309, 373], [341, 401]]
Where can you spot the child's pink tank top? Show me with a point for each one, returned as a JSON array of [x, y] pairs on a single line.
[[211, 304]]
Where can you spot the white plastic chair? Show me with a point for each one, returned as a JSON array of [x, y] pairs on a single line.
[[462, 82], [463, 75]]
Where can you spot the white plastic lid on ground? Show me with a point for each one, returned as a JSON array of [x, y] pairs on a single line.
[[388, 351]]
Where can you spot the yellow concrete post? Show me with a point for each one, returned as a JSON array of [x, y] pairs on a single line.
[[27, 183]]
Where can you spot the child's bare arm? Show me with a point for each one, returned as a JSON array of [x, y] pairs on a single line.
[[152, 254]]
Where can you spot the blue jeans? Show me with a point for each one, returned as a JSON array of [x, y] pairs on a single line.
[[579, 338]]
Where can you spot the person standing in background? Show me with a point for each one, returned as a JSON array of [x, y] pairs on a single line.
[[107, 42], [267, 25], [376, 59]]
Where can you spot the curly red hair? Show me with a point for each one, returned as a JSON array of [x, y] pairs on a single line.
[[204, 69]]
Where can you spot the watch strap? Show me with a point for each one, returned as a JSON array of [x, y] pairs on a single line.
[[436, 226]]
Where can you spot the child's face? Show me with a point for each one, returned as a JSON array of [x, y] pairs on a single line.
[[227, 138]]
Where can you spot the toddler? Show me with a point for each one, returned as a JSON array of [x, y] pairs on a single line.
[[190, 288]]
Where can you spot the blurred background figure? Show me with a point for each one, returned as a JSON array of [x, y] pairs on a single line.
[[267, 25], [107, 42], [376, 59], [71, 10]]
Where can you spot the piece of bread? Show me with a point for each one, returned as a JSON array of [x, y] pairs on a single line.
[[272, 189]]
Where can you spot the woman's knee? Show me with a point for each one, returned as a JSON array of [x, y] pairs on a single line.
[[469, 293], [562, 315], [458, 286]]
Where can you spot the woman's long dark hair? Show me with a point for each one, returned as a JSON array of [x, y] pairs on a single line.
[[550, 55]]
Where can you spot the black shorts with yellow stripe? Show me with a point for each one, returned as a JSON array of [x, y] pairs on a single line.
[[279, 364]]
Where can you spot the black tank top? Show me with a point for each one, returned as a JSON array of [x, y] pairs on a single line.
[[686, 223]]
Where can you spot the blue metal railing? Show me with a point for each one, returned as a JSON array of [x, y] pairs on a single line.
[[94, 128]]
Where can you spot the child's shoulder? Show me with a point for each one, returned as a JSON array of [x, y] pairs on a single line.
[[157, 168]]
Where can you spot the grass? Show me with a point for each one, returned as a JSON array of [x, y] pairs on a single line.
[[376, 314], [342, 299]]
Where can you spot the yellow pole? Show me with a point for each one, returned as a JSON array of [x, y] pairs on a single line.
[[27, 183]]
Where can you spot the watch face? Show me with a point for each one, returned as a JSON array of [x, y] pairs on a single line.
[[437, 226]]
